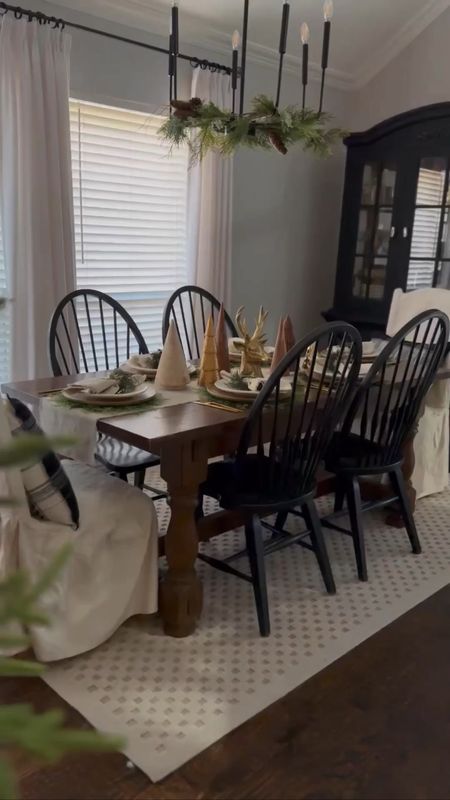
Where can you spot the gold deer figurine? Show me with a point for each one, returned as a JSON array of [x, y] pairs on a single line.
[[254, 355]]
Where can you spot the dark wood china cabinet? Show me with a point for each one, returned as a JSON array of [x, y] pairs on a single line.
[[395, 215]]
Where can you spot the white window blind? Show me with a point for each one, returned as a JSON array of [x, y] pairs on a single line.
[[426, 229], [130, 211]]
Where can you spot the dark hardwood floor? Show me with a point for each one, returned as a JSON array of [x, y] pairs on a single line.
[[373, 726]]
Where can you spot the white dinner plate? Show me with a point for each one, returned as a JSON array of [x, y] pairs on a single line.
[[245, 394], [144, 392], [134, 369]]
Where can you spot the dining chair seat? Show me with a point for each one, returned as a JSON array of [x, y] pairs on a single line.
[[237, 483], [351, 453], [123, 459]]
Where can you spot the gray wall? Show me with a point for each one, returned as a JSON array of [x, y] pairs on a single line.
[[286, 208], [420, 75], [286, 220]]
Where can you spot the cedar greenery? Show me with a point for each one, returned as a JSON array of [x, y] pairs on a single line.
[[236, 381], [204, 127], [124, 379]]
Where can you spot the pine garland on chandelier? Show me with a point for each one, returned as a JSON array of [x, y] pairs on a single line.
[[205, 127]]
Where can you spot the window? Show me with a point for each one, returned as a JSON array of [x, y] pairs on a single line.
[[130, 211], [430, 222]]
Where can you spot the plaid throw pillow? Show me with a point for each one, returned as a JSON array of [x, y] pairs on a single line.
[[48, 489]]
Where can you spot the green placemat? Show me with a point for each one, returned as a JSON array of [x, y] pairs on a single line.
[[146, 405]]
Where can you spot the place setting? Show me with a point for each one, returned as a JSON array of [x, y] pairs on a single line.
[[137, 383], [119, 388], [147, 364], [234, 370]]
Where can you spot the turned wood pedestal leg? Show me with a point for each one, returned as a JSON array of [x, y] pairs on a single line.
[[184, 467]]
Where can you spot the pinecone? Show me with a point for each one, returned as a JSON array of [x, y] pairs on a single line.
[[277, 142], [187, 108]]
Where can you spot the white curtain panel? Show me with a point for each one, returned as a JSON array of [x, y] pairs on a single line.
[[210, 196], [35, 184]]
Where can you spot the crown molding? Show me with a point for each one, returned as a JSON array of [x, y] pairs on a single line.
[[152, 17], [400, 41]]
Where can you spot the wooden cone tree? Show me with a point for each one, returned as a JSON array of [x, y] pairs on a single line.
[[172, 371], [209, 371], [280, 347], [289, 335], [223, 358]]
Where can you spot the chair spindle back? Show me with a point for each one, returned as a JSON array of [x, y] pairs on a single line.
[[389, 399], [91, 332], [292, 431], [190, 307]]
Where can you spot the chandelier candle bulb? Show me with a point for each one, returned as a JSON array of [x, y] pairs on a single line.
[[328, 10]]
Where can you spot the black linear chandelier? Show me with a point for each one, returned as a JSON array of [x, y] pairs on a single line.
[[205, 126]]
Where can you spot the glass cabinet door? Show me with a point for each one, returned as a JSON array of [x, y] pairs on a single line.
[[429, 260], [375, 231]]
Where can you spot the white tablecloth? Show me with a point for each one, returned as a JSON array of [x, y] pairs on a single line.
[[431, 445]]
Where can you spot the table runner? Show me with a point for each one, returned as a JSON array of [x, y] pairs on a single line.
[[57, 420]]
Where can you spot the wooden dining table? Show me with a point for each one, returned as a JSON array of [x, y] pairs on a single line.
[[185, 437]]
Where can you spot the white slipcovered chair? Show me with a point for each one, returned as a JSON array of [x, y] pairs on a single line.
[[431, 445], [112, 573]]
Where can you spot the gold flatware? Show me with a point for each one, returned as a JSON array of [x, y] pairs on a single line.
[[219, 406], [50, 391]]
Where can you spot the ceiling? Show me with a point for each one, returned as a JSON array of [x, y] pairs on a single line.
[[367, 34]]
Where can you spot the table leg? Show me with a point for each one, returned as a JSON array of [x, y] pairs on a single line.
[[183, 467]]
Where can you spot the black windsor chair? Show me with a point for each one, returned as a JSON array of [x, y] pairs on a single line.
[[91, 332], [190, 307], [291, 434], [380, 420]]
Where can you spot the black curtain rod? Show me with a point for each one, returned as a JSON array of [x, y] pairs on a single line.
[[44, 19]]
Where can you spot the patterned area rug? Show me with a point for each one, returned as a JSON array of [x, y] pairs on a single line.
[[171, 698]]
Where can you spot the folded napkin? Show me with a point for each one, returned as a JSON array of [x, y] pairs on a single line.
[[107, 385], [141, 365], [137, 362]]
